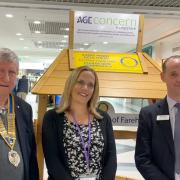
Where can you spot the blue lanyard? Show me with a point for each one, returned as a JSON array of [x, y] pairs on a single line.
[[86, 148], [11, 105]]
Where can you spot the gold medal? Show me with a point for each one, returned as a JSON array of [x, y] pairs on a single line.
[[14, 158], [9, 135]]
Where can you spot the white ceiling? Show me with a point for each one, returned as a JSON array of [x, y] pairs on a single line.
[[161, 26]]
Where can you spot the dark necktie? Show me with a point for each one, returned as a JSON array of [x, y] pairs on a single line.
[[177, 139]]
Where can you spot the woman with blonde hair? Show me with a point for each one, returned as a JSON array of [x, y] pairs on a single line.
[[78, 141]]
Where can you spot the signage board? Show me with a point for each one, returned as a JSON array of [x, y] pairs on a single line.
[[107, 62], [103, 26]]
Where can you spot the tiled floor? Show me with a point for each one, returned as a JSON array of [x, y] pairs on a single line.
[[125, 158]]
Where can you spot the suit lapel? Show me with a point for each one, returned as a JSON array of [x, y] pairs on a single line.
[[21, 133], [165, 126]]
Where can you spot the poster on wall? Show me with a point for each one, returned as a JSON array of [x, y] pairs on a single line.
[[107, 62], [103, 26]]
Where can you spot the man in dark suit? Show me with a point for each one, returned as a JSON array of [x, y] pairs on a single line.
[[23, 87], [17, 143], [157, 154]]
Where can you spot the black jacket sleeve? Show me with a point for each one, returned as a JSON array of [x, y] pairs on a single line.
[[53, 157], [110, 159], [33, 165]]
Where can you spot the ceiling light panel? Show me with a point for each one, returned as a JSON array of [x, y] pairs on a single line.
[[49, 44], [9, 15], [47, 27], [152, 3]]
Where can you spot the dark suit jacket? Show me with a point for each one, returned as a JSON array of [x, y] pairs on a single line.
[[154, 153], [25, 133], [54, 152]]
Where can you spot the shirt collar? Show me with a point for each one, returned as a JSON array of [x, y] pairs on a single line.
[[171, 103]]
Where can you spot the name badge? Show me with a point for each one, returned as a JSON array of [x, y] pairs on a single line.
[[162, 117], [88, 177]]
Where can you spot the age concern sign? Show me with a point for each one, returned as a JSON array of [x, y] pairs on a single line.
[[107, 62], [104, 26]]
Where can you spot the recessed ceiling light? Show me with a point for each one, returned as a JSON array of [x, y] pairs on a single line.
[[39, 42], [105, 42], [9, 15], [65, 36], [63, 41], [37, 22], [67, 29], [40, 47], [18, 34], [86, 44], [21, 39], [37, 32]]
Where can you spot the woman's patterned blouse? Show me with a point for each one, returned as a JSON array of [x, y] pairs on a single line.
[[74, 148]]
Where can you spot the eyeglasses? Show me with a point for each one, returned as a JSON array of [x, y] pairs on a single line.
[[82, 83]]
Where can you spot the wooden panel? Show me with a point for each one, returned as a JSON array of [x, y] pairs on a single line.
[[123, 178], [71, 60], [140, 34], [120, 178], [62, 67], [59, 60], [114, 76], [134, 93], [148, 64], [143, 63], [63, 60], [108, 92], [51, 68], [41, 110], [113, 84], [129, 77], [56, 81], [51, 90], [153, 62], [131, 85], [152, 70], [60, 74], [71, 29], [124, 134]]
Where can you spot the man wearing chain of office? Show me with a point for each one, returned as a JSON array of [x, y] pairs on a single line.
[[17, 143]]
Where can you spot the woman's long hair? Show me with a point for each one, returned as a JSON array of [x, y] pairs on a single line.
[[69, 85]]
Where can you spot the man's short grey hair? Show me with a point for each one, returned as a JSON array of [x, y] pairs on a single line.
[[9, 56]]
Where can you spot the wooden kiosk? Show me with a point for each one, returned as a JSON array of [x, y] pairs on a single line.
[[147, 85]]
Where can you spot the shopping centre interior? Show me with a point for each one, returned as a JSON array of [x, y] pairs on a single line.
[[38, 31]]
